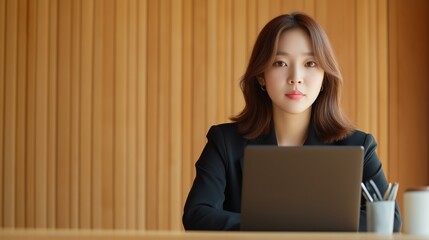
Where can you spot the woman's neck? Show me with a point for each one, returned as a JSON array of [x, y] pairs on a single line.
[[291, 129]]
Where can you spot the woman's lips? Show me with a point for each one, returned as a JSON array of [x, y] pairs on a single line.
[[295, 95]]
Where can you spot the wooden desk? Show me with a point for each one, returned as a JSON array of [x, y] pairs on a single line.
[[15, 234]]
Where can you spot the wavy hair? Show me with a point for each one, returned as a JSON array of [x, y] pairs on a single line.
[[329, 122]]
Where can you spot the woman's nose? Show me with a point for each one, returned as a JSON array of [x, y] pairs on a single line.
[[292, 81], [295, 76]]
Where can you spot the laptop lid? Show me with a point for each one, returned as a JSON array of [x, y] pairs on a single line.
[[308, 188]]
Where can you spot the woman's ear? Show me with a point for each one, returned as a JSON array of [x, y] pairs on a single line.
[[261, 80]]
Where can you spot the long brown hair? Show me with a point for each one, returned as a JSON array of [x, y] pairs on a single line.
[[327, 118]]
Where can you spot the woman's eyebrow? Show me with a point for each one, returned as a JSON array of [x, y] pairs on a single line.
[[281, 53]]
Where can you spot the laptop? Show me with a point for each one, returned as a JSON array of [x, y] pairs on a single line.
[[307, 188]]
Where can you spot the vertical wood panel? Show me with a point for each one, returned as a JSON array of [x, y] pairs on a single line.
[[381, 116], [186, 140], [211, 79], [199, 58], [393, 93], [371, 73], [263, 14], [31, 115], [21, 117], [10, 118], [97, 120], [120, 115], [373, 87], [108, 101], [252, 27], [163, 167], [176, 201], [228, 60], [275, 8], [222, 78], [2, 113], [290, 5], [52, 109], [321, 15], [75, 113], [142, 114], [239, 53], [64, 206], [309, 7], [409, 118], [132, 112], [152, 117], [362, 72], [85, 133], [339, 22], [42, 112]]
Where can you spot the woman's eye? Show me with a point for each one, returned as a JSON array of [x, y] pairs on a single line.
[[311, 64], [279, 64]]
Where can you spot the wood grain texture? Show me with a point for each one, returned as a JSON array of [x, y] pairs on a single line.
[[30, 118], [9, 144], [152, 117], [97, 120], [408, 111], [42, 72], [142, 160], [2, 110], [85, 113], [52, 114], [21, 116]]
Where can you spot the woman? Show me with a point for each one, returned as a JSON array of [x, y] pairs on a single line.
[[291, 89]]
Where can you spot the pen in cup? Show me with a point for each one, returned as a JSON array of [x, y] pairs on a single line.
[[389, 194], [393, 192], [366, 194], [375, 188], [380, 210]]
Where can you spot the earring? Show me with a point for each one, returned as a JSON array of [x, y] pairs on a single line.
[[321, 89], [263, 88]]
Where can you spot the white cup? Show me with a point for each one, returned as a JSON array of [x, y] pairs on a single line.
[[416, 211], [380, 216]]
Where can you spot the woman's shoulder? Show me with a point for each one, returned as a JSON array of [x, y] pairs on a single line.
[[358, 137], [227, 130], [227, 136]]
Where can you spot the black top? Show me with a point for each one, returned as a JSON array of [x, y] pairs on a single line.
[[215, 197]]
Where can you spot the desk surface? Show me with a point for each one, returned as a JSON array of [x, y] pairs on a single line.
[[8, 234]]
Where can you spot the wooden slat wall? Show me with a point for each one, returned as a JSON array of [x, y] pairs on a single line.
[[408, 109], [104, 104]]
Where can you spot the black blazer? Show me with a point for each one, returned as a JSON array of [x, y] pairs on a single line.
[[214, 200]]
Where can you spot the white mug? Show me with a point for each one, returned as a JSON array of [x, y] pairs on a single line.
[[416, 211]]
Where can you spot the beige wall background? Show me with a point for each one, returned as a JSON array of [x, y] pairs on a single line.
[[104, 104]]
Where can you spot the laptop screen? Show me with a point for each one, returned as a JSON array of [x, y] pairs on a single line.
[[308, 188]]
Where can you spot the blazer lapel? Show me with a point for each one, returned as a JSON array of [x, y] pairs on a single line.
[[312, 138], [266, 139]]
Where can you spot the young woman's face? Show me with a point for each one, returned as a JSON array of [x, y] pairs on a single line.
[[294, 80]]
